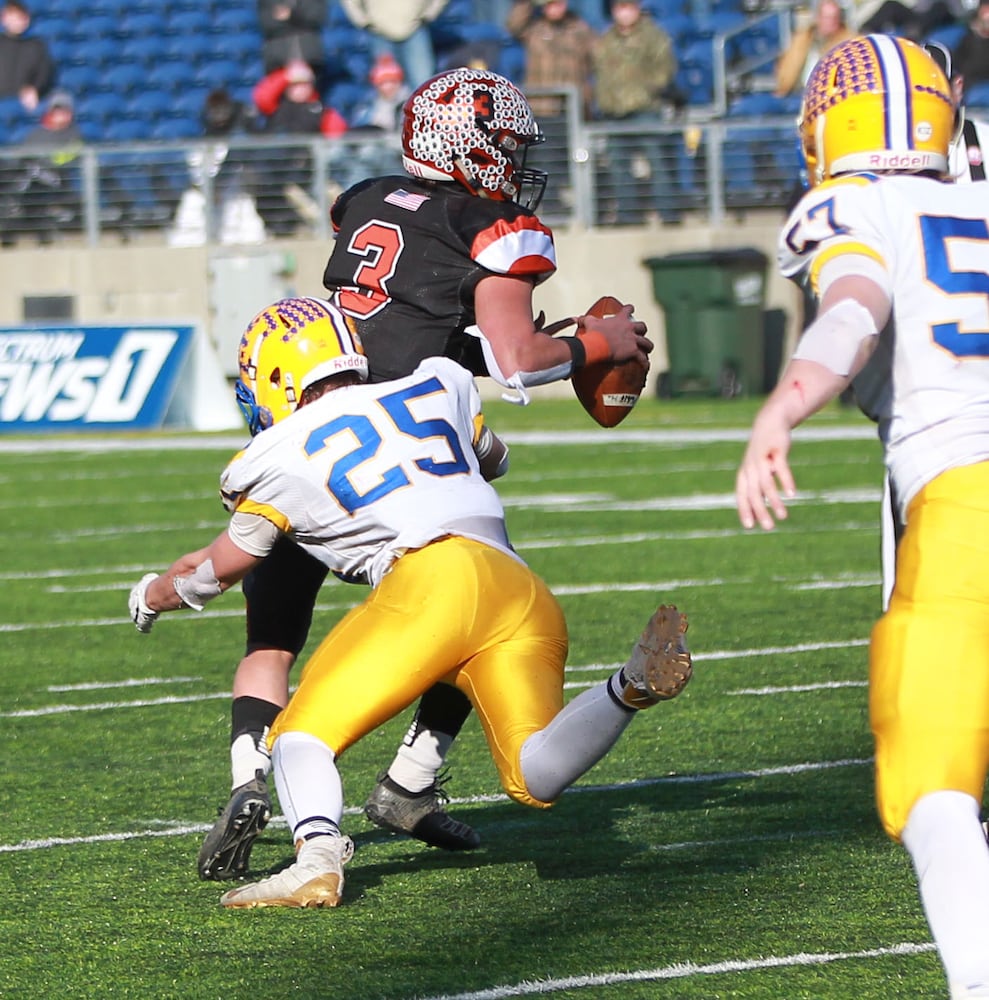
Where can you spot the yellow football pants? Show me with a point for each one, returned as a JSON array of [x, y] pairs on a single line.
[[455, 611], [929, 656]]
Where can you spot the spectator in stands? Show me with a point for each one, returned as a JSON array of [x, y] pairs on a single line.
[[970, 57], [913, 19], [291, 105], [42, 192], [559, 53], [811, 39], [293, 29], [26, 67], [400, 28], [634, 66], [379, 120], [57, 128], [230, 174]]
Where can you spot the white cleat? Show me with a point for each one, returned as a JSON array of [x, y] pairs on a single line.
[[313, 881]]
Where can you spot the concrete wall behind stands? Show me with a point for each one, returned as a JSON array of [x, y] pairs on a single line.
[[148, 283]]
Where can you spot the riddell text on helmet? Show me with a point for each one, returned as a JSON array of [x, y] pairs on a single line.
[[901, 161]]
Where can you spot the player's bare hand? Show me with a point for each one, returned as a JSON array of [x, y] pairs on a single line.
[[626, 335], [764, 476]]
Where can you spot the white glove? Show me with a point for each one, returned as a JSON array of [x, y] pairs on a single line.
[[141, 615]]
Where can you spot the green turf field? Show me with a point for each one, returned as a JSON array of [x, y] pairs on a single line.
[[727, 848]]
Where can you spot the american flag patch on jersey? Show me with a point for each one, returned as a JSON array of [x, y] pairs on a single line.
[[404, 199]]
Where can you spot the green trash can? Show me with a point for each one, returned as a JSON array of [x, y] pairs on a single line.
[[713, 301]]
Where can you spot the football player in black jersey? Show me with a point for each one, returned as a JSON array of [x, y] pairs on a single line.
[[441, 262]]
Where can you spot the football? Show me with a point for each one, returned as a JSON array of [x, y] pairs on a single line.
[[608, 390]]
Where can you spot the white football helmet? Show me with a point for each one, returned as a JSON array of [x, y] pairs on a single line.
[[474, 127]]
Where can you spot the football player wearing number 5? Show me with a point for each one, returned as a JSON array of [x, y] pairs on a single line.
[[439, 263], [892, 246], [390, 481]]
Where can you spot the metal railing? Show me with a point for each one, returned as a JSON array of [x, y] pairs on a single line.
[[252, 189]]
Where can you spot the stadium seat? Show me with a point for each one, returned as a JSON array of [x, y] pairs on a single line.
[[90, 28], [79, 79], [759, 104], [123, 78], [948, 36], [218, 73], [174, 129], [149, 105], [100, 108], [144, 49], [188, 105], [189, 21], [192, 49], [977, 95], [172, 76], [126, 130], [143, 24], [233, 18]]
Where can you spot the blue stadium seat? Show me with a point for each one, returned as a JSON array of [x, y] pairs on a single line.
[[948, 36], [149, 105], [233, 18], [99, 52], [143, 24], [126, 130], [123, 77], [79, 79], [679, 28], [95, 27], [172, 76], [977, 95], [218, 73], [144, 49], [189, 21], [188, 105], [244, 45], [98, 109], [191, 49], [695, 72], [174, 129], [760, 104]]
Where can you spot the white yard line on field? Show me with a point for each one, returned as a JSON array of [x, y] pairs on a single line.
[[170, 828], [682, 970], [612, 436]]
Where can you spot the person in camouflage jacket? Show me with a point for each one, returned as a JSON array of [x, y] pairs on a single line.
[[635, 66]]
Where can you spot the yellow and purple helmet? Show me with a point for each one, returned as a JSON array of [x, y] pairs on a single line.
[[288, 347], [876, 104]]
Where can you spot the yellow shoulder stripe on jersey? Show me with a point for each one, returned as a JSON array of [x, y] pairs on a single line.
[[478, 427], [840, 250], [269, 513]]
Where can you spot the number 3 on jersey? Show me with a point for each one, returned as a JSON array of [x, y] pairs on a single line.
[[379, 245]]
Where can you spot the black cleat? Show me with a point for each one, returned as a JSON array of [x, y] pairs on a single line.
[[227, 847], [419, 814]]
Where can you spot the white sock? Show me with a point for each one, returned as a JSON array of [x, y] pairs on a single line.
[[308, 782], [576, 739], [247, 756], [416, 764], [951, 858]]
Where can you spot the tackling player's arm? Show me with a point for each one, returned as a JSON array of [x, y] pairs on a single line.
[[832, 350], [197, 577], [519, 355]]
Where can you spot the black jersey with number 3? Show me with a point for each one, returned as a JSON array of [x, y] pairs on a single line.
[[407, 259]]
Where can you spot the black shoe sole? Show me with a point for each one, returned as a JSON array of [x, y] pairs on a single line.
[[226, 850]]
